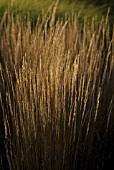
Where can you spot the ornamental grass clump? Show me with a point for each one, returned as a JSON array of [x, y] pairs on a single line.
[[56, 93]]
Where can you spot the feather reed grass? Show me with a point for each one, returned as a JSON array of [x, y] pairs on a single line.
[[56, 93]]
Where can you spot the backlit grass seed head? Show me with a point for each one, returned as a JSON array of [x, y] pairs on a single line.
[[61, 100]]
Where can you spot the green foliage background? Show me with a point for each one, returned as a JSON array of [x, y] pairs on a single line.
[[84, 8]]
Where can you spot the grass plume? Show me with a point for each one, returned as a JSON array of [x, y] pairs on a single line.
[[57, 93]]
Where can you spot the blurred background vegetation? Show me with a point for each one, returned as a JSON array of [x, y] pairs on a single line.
[[84, 8]]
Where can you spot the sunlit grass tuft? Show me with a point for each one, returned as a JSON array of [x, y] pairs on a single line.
[[56, 93]]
